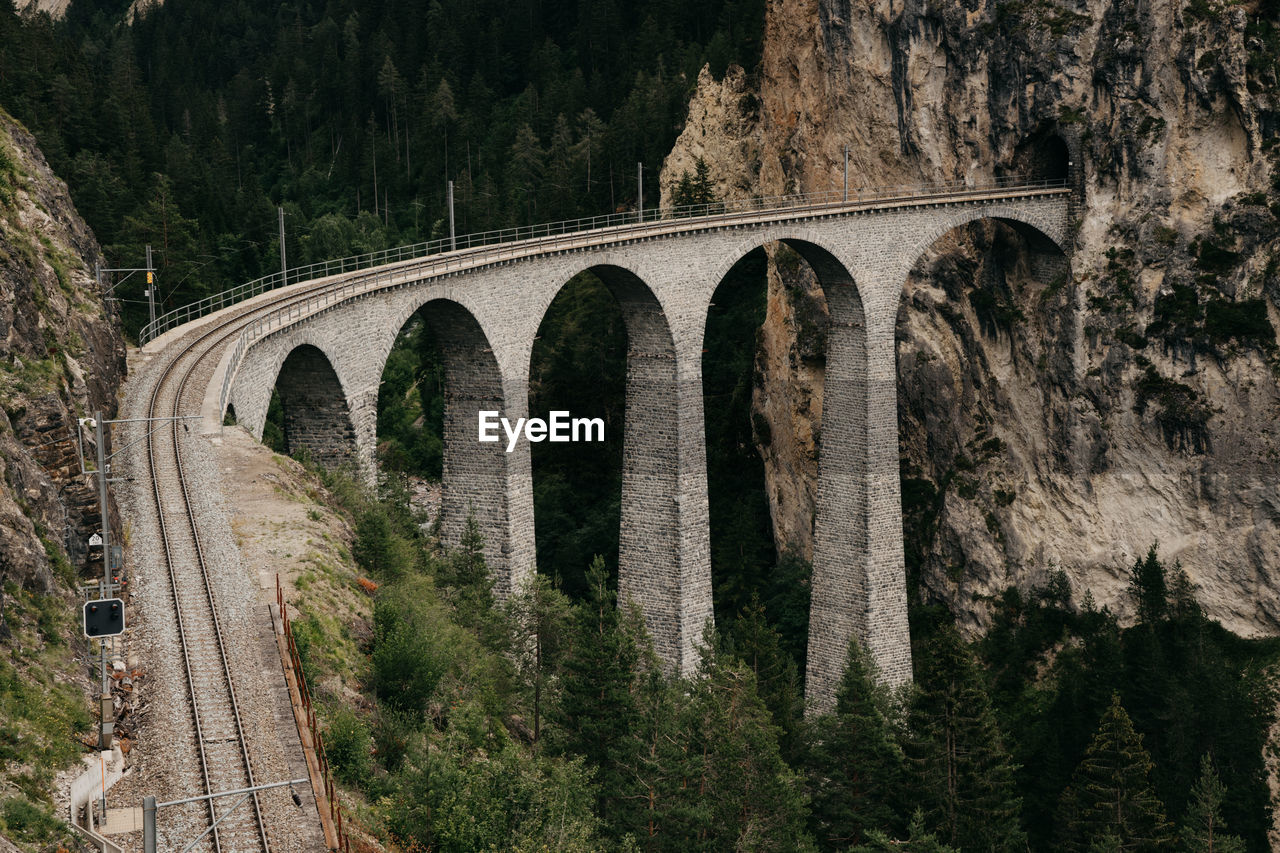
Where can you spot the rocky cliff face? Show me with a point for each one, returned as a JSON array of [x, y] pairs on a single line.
[[61, 357], [1052, 415]]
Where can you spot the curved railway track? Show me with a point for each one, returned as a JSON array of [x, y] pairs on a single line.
[[222, 752], [219, 734]]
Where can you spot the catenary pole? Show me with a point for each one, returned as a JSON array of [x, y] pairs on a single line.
[[151, 286], [107, 724], [284, 263], [453, 237]]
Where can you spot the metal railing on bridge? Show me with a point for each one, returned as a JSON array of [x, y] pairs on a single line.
[[756, 204]]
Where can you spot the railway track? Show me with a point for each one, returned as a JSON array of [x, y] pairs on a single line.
[[219, 735], [213, 709]]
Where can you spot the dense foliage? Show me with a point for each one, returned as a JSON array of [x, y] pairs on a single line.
[[186, 129], [547, 722]]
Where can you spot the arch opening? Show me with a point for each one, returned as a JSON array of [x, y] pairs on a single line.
[[780, 345], [604, 352], [578, 364], [411, 398], [981, 329], [756, 570], [308, 415], [439, 375]]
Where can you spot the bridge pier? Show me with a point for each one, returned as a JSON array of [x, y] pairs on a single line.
[[481, 479], [858, 587], [664, 555]]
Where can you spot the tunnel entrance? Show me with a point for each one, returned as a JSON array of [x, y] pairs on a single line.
[[1043, 156]]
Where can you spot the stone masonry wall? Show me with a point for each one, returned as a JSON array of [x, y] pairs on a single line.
[[316, 419]]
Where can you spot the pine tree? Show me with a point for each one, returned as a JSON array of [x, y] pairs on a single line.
[[1202, 829], [702, 190], [661, 814], [538, 617], [1148, 587], [742, 793], [558, 187], [854, 765], [597, 706], [759, 645], [470, 585], [1111, 793], [919, 840], [955, 752], [524, 170]]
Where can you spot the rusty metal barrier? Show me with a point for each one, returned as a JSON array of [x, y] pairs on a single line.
[[335, 825]]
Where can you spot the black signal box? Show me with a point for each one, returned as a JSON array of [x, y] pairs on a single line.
[[103, 617]]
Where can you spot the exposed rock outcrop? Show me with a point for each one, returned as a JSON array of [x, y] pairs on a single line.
[[61, 357], [1046, 420]]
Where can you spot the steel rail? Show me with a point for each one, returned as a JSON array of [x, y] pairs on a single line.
[[154, 407], [212, 340]]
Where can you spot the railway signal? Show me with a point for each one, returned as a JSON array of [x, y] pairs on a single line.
[[112, 558], [103, 617]]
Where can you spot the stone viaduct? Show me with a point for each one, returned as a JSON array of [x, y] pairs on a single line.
[[327, 365]]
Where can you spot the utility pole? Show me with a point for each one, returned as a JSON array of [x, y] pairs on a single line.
[[453, 237], [99, 270], [108, 721], [151, 286], [284, 264], [640, 192], [106, 586], [846, 173]]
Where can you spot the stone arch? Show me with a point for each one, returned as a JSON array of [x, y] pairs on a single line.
[[838, 287], [317, 419], [653, 553], [844, 599], [476, 476], [1046, 238], [846, 331]]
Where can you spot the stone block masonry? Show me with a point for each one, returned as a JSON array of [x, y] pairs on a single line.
[[328, 367]]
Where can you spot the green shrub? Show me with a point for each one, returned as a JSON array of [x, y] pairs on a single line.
[[1245, 321], [1215, 258], [25, 821], [1177, 314], [1128, 336], [346, 743], [379, 548], [1183, 417], [408, 662], [1199, 10]]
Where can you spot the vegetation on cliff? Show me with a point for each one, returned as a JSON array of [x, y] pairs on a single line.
[[61, 357]]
